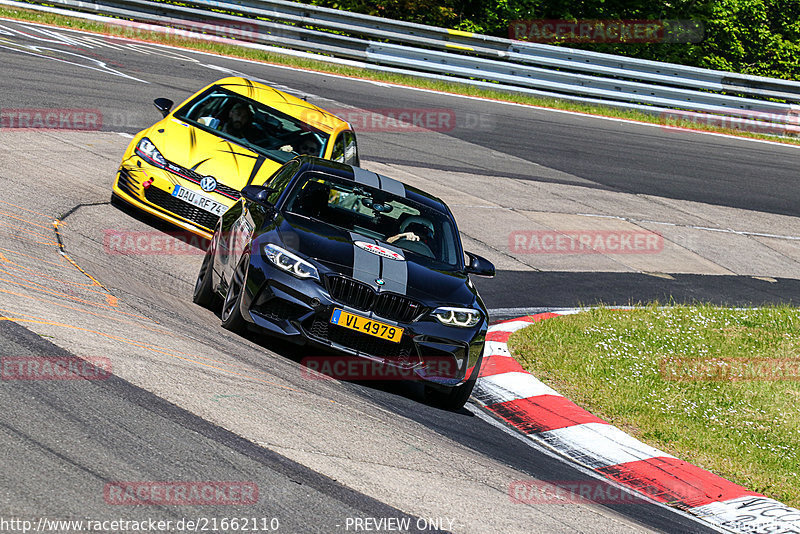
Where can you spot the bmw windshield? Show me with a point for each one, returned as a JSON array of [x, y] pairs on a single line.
[[428, 234]]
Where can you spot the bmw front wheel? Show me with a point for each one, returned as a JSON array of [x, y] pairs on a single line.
[[203, 289], [231, 316]]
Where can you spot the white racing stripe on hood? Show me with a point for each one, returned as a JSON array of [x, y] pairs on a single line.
[[368, 267], [395, 272]]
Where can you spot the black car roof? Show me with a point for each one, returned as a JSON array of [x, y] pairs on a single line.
[[357, 174]]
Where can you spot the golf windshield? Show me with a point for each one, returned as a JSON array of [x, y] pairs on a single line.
[[253, 125]]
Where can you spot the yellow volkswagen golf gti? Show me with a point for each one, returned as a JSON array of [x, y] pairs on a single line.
[[189, 167]]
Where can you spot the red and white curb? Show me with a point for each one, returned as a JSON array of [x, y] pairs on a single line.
[[522, 401]]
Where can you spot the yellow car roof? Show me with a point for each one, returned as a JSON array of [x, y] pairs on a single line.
[[284, 102]]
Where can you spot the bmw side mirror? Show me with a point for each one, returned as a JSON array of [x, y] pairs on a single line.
[[479, 266], [164, 105], [258, 194]]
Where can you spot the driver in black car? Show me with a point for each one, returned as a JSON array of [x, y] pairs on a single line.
[[414, 232], [415, 229]]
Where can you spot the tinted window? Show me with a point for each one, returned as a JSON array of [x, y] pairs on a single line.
[[281, 179], [252, 124], [338, 150], [350, 148]]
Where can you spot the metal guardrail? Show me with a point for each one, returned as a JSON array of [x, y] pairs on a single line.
[[518, 51], [560, 80], [472, 58]]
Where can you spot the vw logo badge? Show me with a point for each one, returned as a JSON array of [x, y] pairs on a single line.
[[208, 183], [380, 281]]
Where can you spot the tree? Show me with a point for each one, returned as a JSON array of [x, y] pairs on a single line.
[[749, 36]]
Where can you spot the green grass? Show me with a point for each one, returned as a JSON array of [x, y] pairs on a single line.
[[323, 66], [634, 369]]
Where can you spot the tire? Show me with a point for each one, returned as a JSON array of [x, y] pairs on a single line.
[[454, 398], [231, 316], [204, 294]]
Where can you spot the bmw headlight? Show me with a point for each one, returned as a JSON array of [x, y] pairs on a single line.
[[289, 262], [463, 317], [148, 151]]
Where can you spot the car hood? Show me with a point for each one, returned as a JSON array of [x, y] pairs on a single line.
[[209, 155], [337, 250]]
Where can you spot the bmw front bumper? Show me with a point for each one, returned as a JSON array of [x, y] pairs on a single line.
[[300, 310]]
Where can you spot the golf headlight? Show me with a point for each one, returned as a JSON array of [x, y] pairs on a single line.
[[289, 262], [148, 151], [463, 317]]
